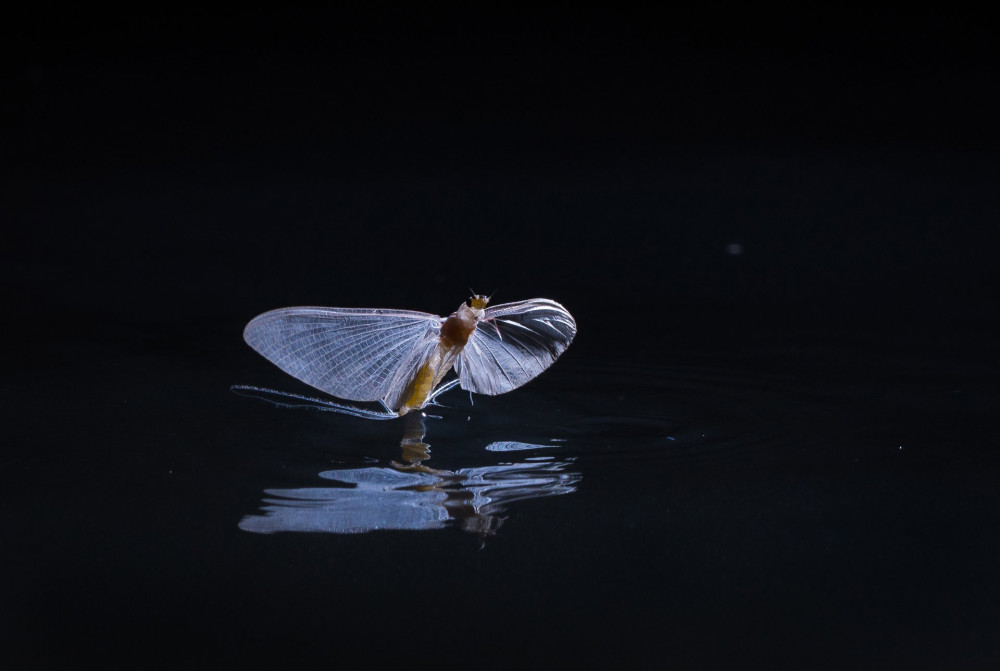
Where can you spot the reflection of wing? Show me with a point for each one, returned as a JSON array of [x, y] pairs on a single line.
[[532, 334], [350, 353], [386, 498]]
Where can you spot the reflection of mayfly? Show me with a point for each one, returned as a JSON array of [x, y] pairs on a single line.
[[400, 357]]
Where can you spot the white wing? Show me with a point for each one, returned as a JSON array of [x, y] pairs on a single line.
[[532, 334], [356, 354]]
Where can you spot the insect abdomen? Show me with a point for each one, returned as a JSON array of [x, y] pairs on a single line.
[[422, 384]]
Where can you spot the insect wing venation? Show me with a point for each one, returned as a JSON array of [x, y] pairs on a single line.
[[354, 354], [513, 344]]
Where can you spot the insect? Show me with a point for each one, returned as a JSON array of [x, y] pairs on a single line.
[[400, 357]]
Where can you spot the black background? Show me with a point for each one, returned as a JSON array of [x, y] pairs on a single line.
[[168, 175], [168, 167]]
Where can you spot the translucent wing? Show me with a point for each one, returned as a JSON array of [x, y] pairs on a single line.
[[532, 334], [356, 354]]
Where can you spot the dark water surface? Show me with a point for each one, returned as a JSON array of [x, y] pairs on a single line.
[[786, 504]]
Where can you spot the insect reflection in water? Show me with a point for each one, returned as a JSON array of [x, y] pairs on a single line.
[[413, 496]]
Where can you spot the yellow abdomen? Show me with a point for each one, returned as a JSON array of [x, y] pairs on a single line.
[[422, 384], [454, 334]]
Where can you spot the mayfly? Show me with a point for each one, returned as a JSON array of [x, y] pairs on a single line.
[[400, 358]]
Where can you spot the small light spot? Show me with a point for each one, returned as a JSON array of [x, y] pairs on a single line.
[[734, 249]]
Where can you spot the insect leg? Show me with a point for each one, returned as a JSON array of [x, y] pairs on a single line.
[[450, 384], [493, 322]]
